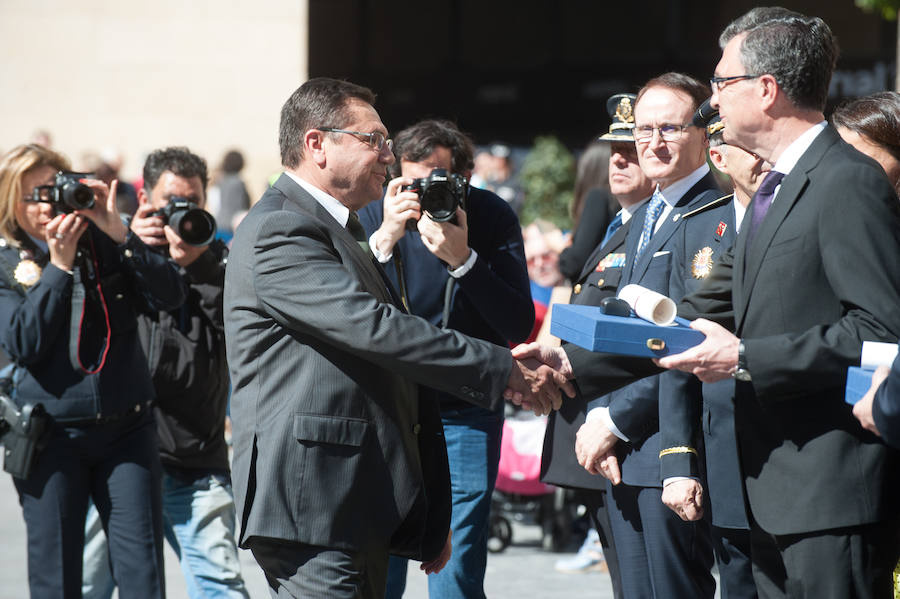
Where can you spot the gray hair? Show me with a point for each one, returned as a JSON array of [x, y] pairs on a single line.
[[799, 51]]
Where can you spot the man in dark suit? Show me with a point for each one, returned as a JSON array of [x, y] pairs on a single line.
[[688, 406], [599, 278], [812, 280], [656, 549], [337, 462], [468, 274]]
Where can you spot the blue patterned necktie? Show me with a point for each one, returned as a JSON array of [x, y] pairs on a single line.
[[762, 200], [614, 225], [653, 211]]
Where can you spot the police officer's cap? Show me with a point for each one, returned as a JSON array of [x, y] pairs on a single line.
[[707, 118], [621, 111]]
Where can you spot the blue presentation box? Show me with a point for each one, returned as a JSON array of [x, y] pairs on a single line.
[[858, 382], [590, 328]]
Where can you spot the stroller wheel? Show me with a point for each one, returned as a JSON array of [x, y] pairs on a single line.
[[500, 534]]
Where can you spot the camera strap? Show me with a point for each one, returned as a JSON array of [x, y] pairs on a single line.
[[77, 317]]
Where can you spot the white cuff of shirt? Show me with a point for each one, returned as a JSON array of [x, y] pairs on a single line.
[[466, 266], [602, 413], [675, 479], [382, 258]]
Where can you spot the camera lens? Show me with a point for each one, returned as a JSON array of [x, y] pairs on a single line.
[[194, 225], [77, 196], [439, 202]]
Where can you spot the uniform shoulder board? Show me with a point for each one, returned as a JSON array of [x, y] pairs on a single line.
[[714, 204]]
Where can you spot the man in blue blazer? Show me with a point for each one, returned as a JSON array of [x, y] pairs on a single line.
[[659, 553], [467, 274]]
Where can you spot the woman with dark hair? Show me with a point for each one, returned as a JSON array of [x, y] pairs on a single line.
[[871, 124], [72, 278], [592, 208]]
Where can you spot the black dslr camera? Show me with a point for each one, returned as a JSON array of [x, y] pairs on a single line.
[[440, 193], [67, 193], [193, 224], [21, 430]]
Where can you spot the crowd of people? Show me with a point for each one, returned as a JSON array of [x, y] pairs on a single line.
[[381, 305]]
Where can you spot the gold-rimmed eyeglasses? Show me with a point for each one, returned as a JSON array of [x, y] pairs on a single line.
[[376, 139]]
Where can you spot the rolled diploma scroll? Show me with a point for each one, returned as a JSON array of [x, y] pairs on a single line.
[[648, 304], [875, 354]]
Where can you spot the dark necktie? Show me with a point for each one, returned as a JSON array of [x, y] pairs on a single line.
[[762, 200], [359, 233], [614, 225]]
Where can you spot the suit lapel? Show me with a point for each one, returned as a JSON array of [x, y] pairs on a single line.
[[749, 260], [667, 229], [348, 248], [601, 251]]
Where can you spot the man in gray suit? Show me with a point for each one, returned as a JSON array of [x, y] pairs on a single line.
[[337, 463]]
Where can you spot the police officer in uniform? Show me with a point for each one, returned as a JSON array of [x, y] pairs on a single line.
[[72, 279], [599, 279]]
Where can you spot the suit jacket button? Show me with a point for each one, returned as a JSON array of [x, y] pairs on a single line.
[[577, 289], [417, 429], [128, 253], [600, 282]]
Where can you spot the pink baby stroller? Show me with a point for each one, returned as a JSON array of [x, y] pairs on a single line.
[[519, 494]]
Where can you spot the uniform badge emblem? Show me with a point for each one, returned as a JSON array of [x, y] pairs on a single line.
[[625, 111], [702, 263], [720, 230], [27, 273]]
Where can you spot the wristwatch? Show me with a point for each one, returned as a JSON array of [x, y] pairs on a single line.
[[742, 374]]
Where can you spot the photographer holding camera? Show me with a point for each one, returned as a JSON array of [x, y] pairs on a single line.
[[72, 281], [185, 350], [457, 257]]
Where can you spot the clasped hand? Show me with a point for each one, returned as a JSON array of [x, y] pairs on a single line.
[[537, 376]]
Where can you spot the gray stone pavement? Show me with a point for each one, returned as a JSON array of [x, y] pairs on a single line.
[[522, 570]]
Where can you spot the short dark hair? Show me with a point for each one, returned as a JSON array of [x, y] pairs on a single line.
[[320, 102], [178, 160], [416, 143], [876, 117], [799, 51], [233, 162], [698, 92]]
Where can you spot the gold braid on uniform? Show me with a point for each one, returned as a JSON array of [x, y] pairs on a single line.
[[680, 449]]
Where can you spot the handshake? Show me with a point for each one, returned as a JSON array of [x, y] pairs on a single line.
[[538, 375]]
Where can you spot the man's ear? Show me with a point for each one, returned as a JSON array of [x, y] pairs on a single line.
[[768, 90], [142, 196], [717, 156], [314, 146]]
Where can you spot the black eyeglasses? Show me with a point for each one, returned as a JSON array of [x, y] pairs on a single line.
[[717, 83], [376, 139], [667, 132]]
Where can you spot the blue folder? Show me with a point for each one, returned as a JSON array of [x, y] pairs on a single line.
[[590, 328], [858, 382]]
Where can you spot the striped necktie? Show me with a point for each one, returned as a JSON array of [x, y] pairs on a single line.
[[653, 211]]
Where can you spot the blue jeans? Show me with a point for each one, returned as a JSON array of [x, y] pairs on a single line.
[[473, 449], [199, 522]]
